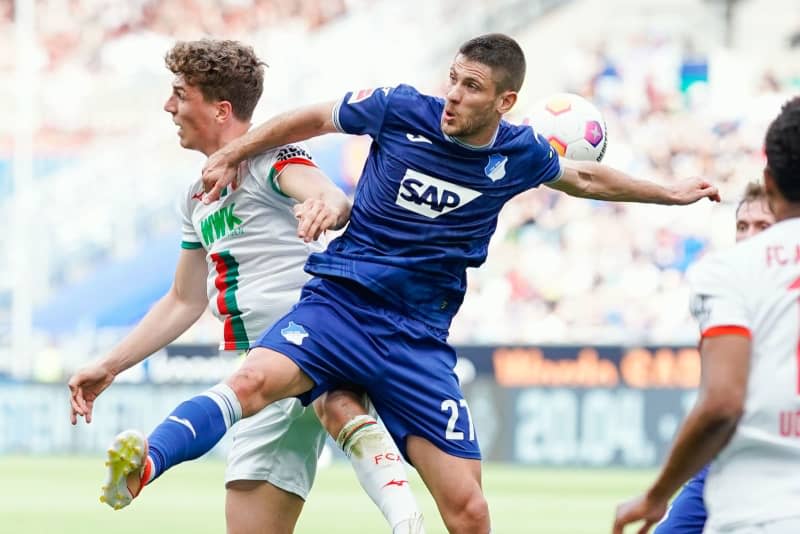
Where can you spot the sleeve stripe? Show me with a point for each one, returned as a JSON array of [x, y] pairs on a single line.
[[190, 245], [277, 169], [335, 115], [279, 166], [558, 175], [727, 330]]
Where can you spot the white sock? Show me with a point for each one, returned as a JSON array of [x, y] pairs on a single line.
[[381, 472]]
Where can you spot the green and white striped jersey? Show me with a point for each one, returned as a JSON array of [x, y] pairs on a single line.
[[255, 259]]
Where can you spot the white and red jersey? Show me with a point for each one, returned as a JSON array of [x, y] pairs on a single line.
[[255, 259], [753, 289]]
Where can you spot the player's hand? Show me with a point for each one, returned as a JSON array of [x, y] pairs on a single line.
[[641, 508], [314, 217], [84, 387], [219, 171], [691, 190]]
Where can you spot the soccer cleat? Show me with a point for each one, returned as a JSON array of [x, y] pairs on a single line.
[[127, 459]]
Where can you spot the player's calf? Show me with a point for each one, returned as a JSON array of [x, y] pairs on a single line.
[[373, 455], [381, 472], [191, 430]]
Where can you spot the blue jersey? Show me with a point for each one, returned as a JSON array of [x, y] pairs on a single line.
[[426, 204]]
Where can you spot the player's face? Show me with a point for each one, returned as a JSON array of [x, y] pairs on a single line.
[[470, 111], [195, 117], [752, 218]]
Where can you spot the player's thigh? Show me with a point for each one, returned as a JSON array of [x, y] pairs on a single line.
[[257, 507], [266, 376], [280, 445], [454, 483], [325, 336], [418, 394]]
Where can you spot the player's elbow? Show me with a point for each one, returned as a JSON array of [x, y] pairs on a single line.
[[585, 181], [722, 410]]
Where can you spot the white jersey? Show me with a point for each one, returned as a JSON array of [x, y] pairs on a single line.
[[753, 289], [255, 259]]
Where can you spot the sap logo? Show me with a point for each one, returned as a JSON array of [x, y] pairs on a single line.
[[430, 196]]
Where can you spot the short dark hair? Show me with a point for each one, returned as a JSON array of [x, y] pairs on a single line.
[[782, 145], [222, 70], [503, 54], [754, 192]]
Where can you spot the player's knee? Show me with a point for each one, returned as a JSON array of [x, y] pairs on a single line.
[[476, 510], [336, 408], [469, 513], [248, 383]]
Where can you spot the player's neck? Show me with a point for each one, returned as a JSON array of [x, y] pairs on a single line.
[[481, 139], [226, 135], [788, 210]]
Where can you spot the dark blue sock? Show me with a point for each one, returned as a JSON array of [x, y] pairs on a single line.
[[187, 433]]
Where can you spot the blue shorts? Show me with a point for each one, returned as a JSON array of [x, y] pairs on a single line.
[[687, 514], [341, 334]]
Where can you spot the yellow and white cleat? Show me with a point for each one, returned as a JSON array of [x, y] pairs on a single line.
[[127, 460]]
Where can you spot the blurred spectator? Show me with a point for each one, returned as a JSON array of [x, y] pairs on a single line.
[[560, 269]]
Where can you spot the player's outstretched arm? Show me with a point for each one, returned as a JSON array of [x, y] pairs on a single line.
[[289, 127], [706, 430], [166, 320], [588, 179], [322, 205]]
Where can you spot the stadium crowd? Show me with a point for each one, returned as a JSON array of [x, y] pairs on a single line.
[[561, 270]]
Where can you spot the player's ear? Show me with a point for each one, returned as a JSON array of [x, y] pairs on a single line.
[[224, 111], [770, 189], [506, 101], [769, 182]]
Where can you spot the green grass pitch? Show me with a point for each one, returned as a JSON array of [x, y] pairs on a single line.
[[47, 495]]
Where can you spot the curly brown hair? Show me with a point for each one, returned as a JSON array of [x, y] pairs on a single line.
[[222, 70]]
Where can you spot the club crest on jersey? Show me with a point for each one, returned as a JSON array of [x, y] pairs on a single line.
[[431, 197], [496, 168], [294, 333]]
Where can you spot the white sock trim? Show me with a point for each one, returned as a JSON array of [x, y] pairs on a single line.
[[228, 403], [345, 438]]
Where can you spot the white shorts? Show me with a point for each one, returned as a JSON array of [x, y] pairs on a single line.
[[280, 445], [789, 525]]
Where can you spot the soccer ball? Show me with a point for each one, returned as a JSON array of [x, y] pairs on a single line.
[[572, 125]]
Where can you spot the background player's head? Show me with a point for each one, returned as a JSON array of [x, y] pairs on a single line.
[[485, 77], [782, 173], [216, 88], [753, 214]]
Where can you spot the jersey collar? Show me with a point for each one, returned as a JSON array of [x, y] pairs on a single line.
[[468, 146]]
